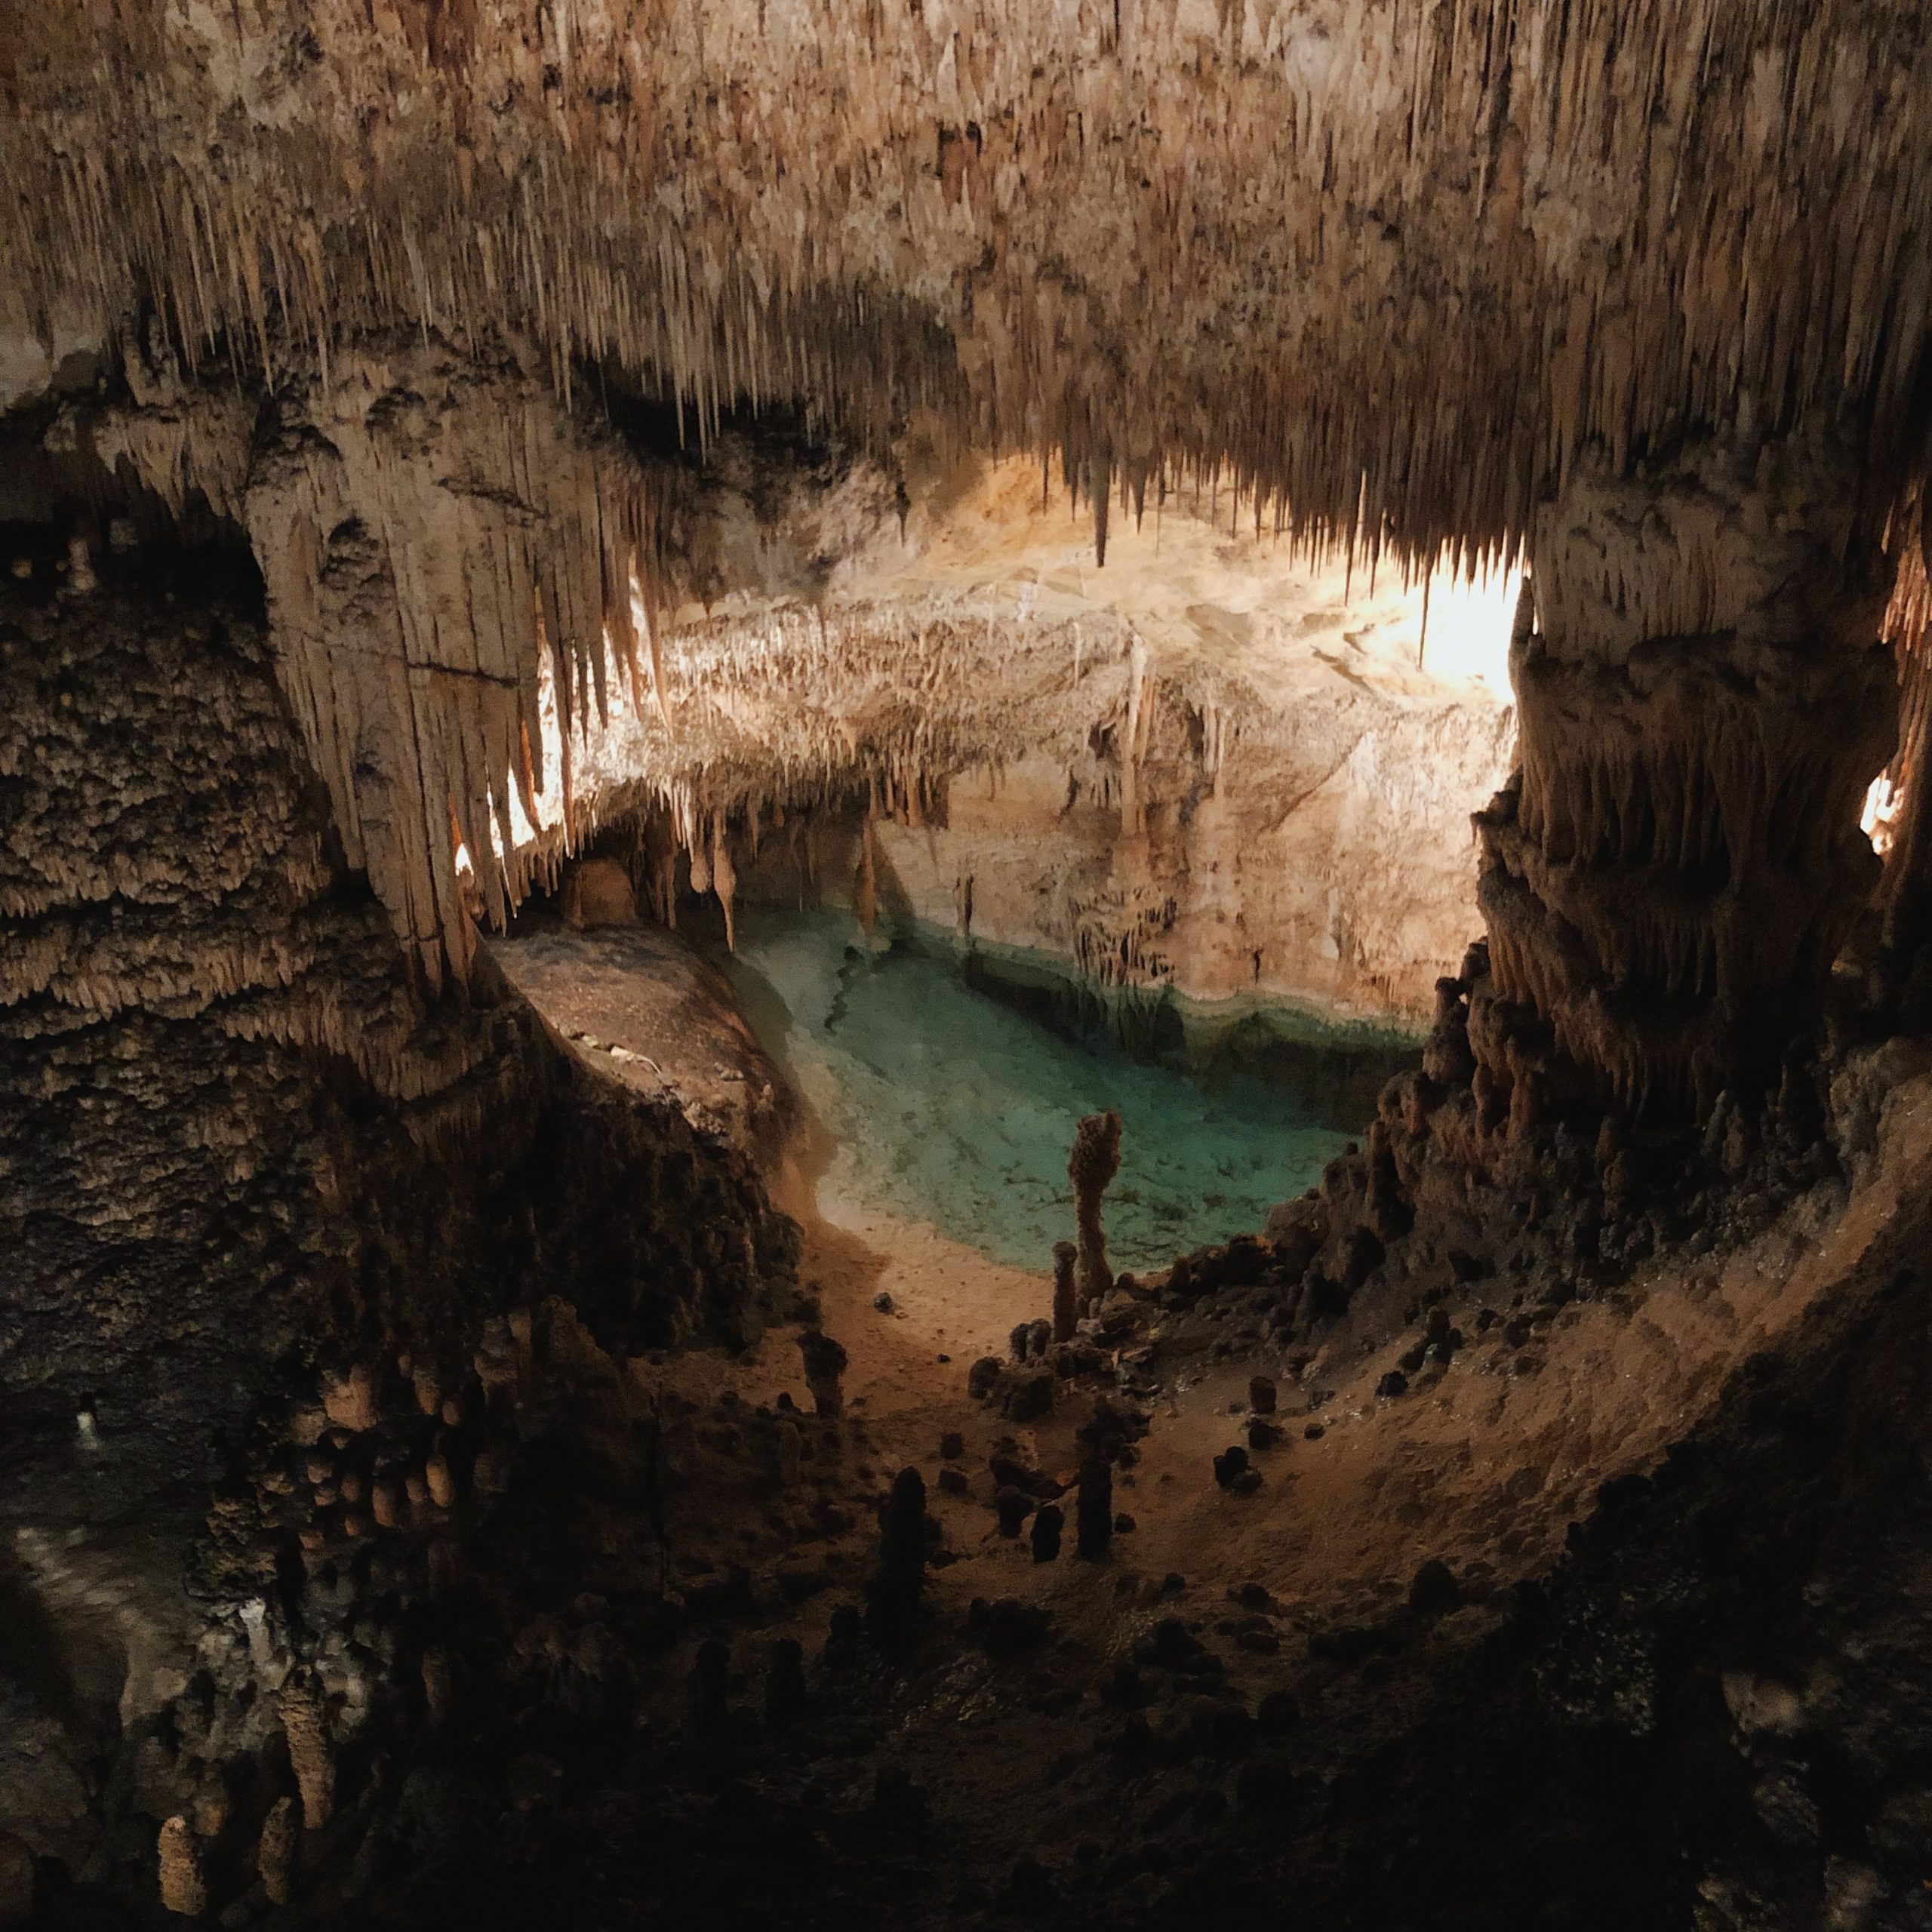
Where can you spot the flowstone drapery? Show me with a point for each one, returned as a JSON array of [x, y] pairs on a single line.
[[1704, 699]]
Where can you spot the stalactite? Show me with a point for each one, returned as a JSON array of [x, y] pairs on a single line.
[[432, 536], [1906, 892], [864, 898], [1431, 374], [724, 880]]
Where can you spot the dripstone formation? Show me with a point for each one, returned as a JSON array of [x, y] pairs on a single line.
[[1027, 473], [1705, 694]]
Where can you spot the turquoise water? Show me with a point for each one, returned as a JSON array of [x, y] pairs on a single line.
[[943, 1104]]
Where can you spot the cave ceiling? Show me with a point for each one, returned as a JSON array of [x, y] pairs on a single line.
[[1392, 263]]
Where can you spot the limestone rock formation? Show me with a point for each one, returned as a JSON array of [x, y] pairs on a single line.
[[184, 1889], [596, 892], [274, 1854], [433, 533], [1012, 463], [1456, 308], [1377, 273], [1705, 699], [215, 1065], [892, 1596], [1091, 1166], [1066, 1296], [1214, 766], [1093, 1514]]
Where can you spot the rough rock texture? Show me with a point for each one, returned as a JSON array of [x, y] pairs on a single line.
[[1705, 700], [335, 1305], [242, 1166], [1280, 874], [1090, 1167], [646, 1009], [214, 1059], [453, 1593], [598, 892], [1266, 761], [1389, 277]]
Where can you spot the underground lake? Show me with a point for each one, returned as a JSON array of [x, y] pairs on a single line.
[[944, 1085]]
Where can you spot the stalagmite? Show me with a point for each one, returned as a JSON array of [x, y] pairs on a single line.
[[275, 1852], [350, 1400], [825, 1361], [893, 1595], [1048, 1524], [1066, 1300], [305, 1724], [184, 1888], [1094, 1516], [1093, 1162], [439, 1685]]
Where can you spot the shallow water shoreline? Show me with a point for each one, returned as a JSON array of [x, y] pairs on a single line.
[[932, 1094]]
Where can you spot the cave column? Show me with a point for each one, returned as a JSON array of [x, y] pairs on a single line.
[[1703, 699]]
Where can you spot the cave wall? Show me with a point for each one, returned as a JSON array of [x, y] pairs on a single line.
[[1325, 856], [1215, 764], [246, 1169], [433, 529], [1706, 694]]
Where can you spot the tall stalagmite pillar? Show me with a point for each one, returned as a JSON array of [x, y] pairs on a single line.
[[1703, 699]]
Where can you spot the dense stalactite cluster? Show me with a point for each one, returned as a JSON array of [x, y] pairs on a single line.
[[1394, 264], [462, 583], [1903, 829], [1215, 796], [434, 536], [456, 571], [1409, 314]]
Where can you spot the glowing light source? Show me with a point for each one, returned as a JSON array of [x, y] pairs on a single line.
[[1467, 634], [1883, 805]]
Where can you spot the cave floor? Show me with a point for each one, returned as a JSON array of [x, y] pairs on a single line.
[[1486, 1465]]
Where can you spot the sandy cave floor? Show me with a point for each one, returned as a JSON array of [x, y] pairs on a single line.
[[1485, 1464]]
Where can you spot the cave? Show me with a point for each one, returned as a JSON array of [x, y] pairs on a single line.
[[966, 966]]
